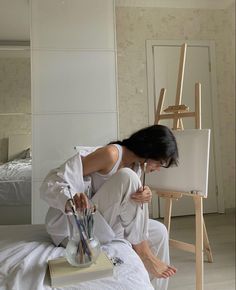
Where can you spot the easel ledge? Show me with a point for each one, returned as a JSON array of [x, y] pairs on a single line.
[[176, 194]]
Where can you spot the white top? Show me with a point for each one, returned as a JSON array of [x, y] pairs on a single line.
[[98, 179]]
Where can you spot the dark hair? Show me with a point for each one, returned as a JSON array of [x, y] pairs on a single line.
[[155, 142]]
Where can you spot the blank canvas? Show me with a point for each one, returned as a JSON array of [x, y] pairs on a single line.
[[192, 171]]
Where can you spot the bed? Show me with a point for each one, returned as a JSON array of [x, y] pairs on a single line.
[[15, 182], [25, 250]]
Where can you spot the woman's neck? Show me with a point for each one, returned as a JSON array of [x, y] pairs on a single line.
[[129, 158]]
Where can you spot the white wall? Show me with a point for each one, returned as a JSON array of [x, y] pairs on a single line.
[[73, 82], [135, 25]]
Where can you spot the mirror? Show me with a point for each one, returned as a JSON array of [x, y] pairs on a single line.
[[15, 113], [15, 130]]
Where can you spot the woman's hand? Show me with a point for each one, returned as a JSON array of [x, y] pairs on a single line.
[[142, 195], [80, 200]]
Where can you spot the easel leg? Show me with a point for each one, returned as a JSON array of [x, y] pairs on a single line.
[[199, 242], [160, 105], [207, 246], [167, 217]]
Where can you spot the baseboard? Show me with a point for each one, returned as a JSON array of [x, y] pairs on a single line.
[[230, 210]]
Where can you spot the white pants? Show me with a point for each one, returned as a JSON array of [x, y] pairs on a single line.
[[128, 220]]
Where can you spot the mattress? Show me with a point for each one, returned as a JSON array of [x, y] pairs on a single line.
[[25, 250], [15, 182]]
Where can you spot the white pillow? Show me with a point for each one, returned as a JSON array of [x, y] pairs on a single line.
[[85, 150], [22, 155], [28, 153]]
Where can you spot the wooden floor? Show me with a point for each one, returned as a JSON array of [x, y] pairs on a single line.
[[219, 275]]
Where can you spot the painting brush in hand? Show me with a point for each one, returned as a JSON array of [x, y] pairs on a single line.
[[80, 226], [144, 175]]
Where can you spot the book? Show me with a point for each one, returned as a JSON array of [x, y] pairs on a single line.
[[63, 274]]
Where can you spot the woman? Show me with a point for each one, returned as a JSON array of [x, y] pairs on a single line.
[[117, 190]]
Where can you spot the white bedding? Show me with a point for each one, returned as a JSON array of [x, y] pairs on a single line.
[[15, 182], [25, 250]]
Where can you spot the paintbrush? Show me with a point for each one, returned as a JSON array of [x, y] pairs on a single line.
[[80, 227], [144, 175]]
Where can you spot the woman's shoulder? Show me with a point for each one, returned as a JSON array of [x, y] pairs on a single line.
[[110, 152], [102, 160]]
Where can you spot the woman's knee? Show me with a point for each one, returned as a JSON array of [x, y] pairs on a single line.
[[128, 180], [118, 187], [128, 177], [128, 174]]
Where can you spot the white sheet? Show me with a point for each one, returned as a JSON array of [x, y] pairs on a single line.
[[25, 250], [15, 182]]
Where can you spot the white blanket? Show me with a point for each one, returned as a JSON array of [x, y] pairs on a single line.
[[15, 182], [25, 250]]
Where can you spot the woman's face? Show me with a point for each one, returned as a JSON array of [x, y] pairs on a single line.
[[153, 165]]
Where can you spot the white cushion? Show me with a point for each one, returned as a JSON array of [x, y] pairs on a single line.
[[85, 150]]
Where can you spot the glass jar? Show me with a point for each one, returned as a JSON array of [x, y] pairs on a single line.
[[83, 247], [80, 255]]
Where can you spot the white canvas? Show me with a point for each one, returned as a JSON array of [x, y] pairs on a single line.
[[191, 175]]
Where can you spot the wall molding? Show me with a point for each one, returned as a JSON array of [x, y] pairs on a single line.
[[15, 114], [200, 4]]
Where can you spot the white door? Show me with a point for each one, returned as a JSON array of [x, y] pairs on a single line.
[[164, 73]]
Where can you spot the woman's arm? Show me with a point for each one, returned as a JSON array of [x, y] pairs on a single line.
[[62, 182]]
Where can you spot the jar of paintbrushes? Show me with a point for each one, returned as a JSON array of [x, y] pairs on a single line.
[[83, 247]]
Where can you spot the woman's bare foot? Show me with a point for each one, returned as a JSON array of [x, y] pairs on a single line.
[[157, 268], [154, 266]]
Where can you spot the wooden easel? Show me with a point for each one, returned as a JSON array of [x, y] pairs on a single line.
[[177, 112]]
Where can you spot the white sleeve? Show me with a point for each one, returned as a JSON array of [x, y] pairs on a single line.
[[54, 190]]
